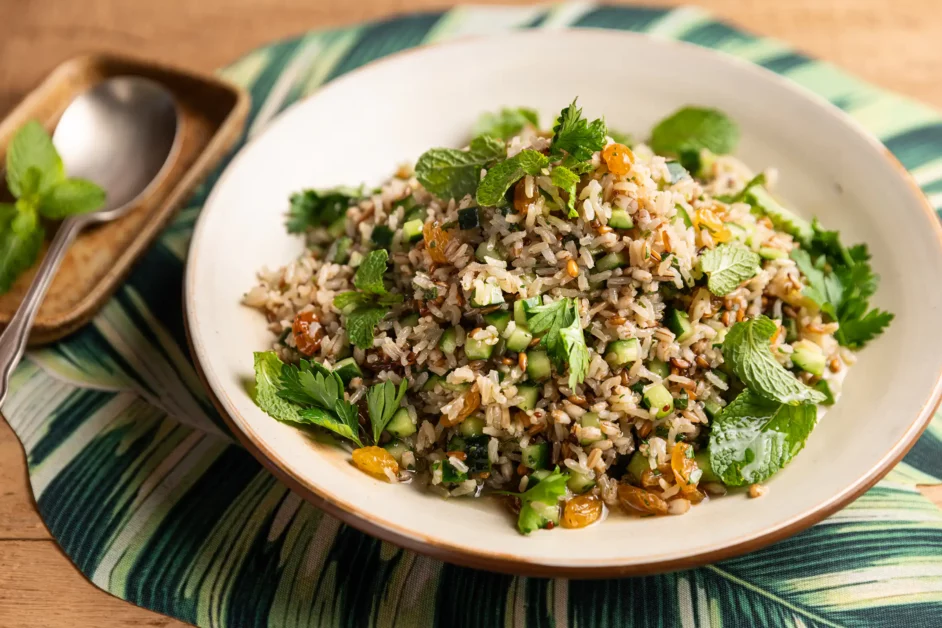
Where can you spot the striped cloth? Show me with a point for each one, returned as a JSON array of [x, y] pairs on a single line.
[[138, 480]]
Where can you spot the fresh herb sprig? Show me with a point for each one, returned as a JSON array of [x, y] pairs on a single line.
[[37, 179], [560, 326], [319, 208], [363, 310], [382, 401]]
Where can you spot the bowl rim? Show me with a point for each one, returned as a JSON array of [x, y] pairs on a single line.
[[509, 563]]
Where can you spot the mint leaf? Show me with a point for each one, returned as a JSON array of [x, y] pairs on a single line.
[[728, 266], [540, 501], [573, 351], [506, 123], [71, 197], [752, 438], [382, 401], [267, 385], [32, 147], [692, 129], [503, 175], [451, 173], [567, 180], [746, 348], [319, 208], [576, 136], [369, 276], [347, 299], [19, 247], [361, 325]]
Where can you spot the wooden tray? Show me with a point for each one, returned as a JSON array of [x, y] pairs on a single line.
[[212, 114]]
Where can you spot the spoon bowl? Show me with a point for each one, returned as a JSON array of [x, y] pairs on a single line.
[[122, 134]]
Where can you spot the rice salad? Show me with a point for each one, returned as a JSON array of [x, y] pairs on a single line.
[[569, 321]]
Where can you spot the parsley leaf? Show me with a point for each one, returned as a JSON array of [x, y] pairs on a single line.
[[369, 276], [504, 174], [540, 505], [728, 266], [577, 136], [451, 173], [562, 336], [382, 401], [747, 350], [507, 123], [361, 325], [546, 320], [573, 348], [567, 180], [692, 129], [319, 208], [752, 438], [304, 394]]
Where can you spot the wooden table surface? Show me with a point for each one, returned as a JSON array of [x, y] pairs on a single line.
[[893, 44]]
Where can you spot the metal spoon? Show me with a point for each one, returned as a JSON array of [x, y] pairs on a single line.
[[121, 134]]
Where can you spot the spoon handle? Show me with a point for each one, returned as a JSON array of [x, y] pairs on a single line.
[[13, 340]]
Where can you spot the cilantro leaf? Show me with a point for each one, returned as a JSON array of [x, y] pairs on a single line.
[[361, 325], [540, 505], [507, 123], [576, 136], [692, 129], [856, 332], [562, 336], [567, 180], [382, 401], [451, 173], [269, 382], [573, 348], [747, 350], [31, 149], [752, 438], [728, 266], [369, 276], [70, 197], [504, 174], [546, 320], [319, 208]]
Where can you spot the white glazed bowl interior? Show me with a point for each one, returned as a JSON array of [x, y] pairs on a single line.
[[362, 125]]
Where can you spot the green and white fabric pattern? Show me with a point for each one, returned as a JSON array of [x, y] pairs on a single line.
[[140, 482]]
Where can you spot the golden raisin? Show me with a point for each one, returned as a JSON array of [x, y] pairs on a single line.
[[618, 158], [686, 473], [308, 333], [639, 500], [521, 200], [472, 401], [581, 511], [436, 239], [375, 461]]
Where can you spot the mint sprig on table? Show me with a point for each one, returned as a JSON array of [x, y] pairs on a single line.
[[365, 309], [36, 178]]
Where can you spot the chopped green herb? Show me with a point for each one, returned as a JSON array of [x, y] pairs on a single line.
[[382, 401], [566, 180], [576, 136], [560, 326], [361, 325], [541, 500], [694, 128], [506, 123], [503, 175], [369, 276], [319, 208]]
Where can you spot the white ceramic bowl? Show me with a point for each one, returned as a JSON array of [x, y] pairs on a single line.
[[359, 127]]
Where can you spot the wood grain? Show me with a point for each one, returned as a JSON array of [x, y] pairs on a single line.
[[894, 45]]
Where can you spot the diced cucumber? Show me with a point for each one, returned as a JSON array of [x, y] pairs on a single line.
[[590, 419], [412, 230], [764, 204], [550, 512], [611, 261], [535, 456], [683, 215], [766, 252], [449, 341], [791, 329], [620, 353], [477, 349], [347, 369], [472, 426], [809, 357], [520, 314], [580, 483], [432, 382], [459, 388], [538, 476], [737, 232], [637, 465], [499, 319], [530, 395], [659, 400], [620, 220], [519, 340], [409, 320], [659, 368], [397, 448], [401, 424], [721, 375], [677, 171], [679, 323], [712, 407], [487, 249], [703, 463], [486, 294], [538, 365]]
